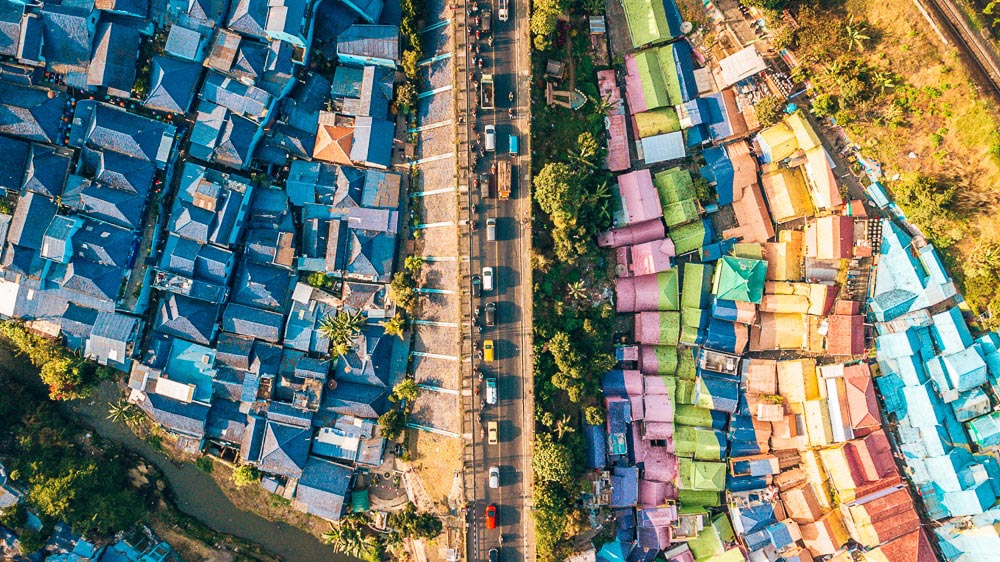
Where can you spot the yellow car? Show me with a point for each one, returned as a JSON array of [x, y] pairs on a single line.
[[488, 351], [492, 433]]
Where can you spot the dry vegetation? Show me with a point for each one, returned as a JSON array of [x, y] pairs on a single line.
[[435, 459], [910, 103]]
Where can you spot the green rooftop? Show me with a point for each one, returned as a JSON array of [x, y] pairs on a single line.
[[694, 289], [666, 359], [692, 415], [669, 325], [740, 279], [647, 22], [657, 122], [654, 90], [360, 501], [700, 443], [676, 214], [674, 185], [701, 475], [689, 237], [687, 367], [668, 289]]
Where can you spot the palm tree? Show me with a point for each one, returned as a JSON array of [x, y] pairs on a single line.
[[394, 326], [349, 538], [123, 411], [883, 80], [599, 199], [576, 290], [562, 427], [342, 329], [856, 34], [602, 104]]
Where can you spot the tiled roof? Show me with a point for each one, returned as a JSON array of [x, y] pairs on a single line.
[[138, 8], [10, 27], [68, 36], [225, 421], [359, 400], [32, 210], [262, 286], [184, 418], [236, 141], [110, 338], [372, 143], [380, 42], [114, 60], [235, 96], [117, 206], [46, 171], [172, 84], [254, 322], [248, 17], [12, 166], [187, 318], [132, 175], [285, 449], [30, 113], [113, 129], [323, 488]]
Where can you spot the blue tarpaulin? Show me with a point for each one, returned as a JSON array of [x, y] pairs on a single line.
[[597, 446], [721, 336], [625, 487], [718, 169], [715, 251]]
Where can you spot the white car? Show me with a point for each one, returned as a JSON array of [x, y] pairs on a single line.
[[494, 477], [487, 278], [491, 138]]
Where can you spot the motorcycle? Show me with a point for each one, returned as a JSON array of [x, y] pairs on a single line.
[[482, 433]]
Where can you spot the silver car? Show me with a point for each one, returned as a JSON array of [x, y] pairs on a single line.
[[494, 477]]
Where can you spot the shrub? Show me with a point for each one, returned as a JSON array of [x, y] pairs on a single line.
[[245, 475]]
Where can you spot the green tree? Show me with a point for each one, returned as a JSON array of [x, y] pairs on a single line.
[[406, 98], [392, 424], [350, 538], [558, 192], [925, 201], [410, 62], [342, 329], [413, 264], [544, 18], [587, 150], [205, 464], [825, 105], [552, 461], [770, 110], [394, 326], [594, 415], [403, 291], [14, 516], [319, 280], [124, 412], [854, 91], [405, 389], [246, 475], [32, 541]]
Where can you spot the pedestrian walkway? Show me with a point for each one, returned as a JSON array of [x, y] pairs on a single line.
[[433, 192], [434, 355], [434, 59], [434, 158], [430, 93]]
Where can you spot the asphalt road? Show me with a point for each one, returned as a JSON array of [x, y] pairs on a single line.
[[509, 255]]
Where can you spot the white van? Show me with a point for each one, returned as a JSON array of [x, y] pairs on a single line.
[[487, 278], [502, 13], [491, 230], [491, 138]]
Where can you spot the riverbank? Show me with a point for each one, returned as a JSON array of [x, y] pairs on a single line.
[[195, 493]]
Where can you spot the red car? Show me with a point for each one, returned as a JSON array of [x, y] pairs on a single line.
[[491, 516]]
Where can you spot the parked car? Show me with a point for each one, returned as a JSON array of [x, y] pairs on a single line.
[[491, 314], [494, 477], [487, 278], [513, 147], [491, 516], [491, 230], [491, 138], [488, 351], [493, 433], [477, 286]]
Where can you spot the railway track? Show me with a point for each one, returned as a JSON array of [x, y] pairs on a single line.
[[980, 58]]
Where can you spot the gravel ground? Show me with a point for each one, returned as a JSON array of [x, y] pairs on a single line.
[[438, 409]]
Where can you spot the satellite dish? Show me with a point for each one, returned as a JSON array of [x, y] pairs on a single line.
[[687, 27]]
